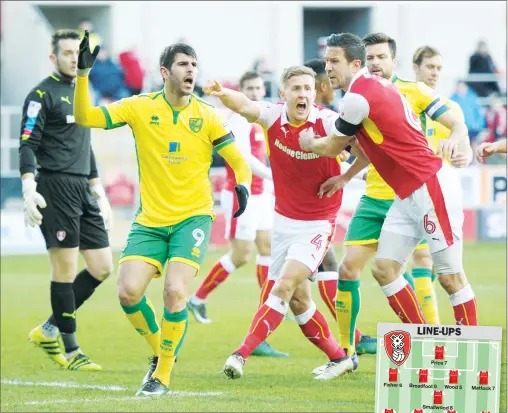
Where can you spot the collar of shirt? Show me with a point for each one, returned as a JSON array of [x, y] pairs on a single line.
[[284, 117], [361, 72]]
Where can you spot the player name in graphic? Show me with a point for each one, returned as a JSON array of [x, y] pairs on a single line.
[[438, 331], [399, 385], [451, 387], [423, 386], [438, 362], [483, 388], [438, 407]]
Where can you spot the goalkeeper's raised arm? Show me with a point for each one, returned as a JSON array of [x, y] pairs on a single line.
[[236, 101]]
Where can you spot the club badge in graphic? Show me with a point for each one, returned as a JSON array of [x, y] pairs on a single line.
[[398, 346]]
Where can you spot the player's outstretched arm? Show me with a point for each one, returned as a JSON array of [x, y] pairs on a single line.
[[487, 149], [330, 146], [234, 100], [84, 113]]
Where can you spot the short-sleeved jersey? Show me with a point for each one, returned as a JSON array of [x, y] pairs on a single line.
[[297, 174], [439, 352], [251, 141], [484, 378], [434, 131], [389, 132], [438, 397], [423, 376], [174, 148], [454, 377], [426, 105], [393, 375]]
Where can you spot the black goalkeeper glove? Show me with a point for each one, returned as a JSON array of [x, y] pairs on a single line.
[[86, 58], [242, 194]]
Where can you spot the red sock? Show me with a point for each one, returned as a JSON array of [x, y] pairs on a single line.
[[266, 320], [403, 301], [215, 277], [262, 264], [464, 307], [265, 291], [314, 326], [327, 284], [358, 336]]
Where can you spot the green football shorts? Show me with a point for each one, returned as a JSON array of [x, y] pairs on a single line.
[[184, 242], [367, 221]]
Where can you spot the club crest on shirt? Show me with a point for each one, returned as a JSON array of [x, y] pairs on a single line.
[[60, 235], [195, 124]]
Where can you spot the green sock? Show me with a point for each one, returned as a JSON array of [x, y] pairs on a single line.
[[409, 280], [142, 318], [347, 307]]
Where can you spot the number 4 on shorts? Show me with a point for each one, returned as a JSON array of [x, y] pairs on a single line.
[[317, 241]]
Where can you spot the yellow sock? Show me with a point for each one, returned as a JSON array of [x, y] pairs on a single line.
[[347, 307], [174, 327], [142, 317], [426, 294]]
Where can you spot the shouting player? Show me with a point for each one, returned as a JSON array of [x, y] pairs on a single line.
[[252, 229], [428, 200], [175, 133], [304, 222], [68, 191], [328, 275]]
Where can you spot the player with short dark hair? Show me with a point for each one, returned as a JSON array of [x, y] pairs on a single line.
[[175, 134], [428, 201], [66, 199]]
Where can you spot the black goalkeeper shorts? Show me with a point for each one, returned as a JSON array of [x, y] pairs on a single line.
[[72, 216]]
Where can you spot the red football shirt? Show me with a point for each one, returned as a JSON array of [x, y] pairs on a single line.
[[389, 411], [418, 411], [297, 175], [438, 397], [251, 141], [423, 376], [454, 377], [393, 375], [484, 378], [439, 352], [388, 131]]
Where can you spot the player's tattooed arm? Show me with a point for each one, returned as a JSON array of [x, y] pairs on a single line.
[[236, 101]]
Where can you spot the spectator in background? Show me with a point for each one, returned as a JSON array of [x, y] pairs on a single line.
[[95, 38], [496, 120], [261, 66], [481, 62], [107, 78], [466, 98], [133, 71]]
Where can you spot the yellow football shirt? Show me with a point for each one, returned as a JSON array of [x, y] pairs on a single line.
[[424, 102], [174, 148]]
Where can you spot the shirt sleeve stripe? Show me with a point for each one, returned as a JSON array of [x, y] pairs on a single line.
[[224, 144], [440, 111], [225, 138], [109, 121], [108, 117]]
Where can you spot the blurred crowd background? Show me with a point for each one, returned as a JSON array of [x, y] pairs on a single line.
[[230, 38]]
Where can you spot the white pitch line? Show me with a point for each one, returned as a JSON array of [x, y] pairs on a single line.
[[64, 384], [115, 399]]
